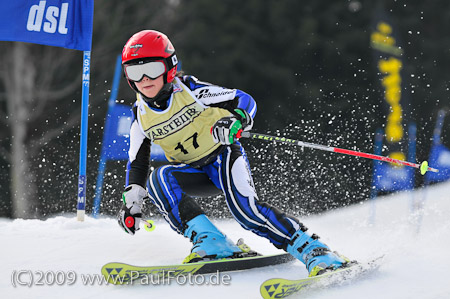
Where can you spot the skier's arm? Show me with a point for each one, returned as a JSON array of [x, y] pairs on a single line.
[[138, 167], [239, 103], [216, 96]]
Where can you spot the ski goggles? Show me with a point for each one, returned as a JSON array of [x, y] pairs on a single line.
[[153, 70]]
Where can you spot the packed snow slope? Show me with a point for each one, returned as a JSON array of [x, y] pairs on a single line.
[[415, 243]]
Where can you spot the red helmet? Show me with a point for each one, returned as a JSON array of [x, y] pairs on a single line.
[[149, 53]]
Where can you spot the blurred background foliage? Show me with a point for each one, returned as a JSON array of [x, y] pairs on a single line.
[[308, 64]]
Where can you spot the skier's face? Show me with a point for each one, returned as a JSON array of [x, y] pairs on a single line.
[[149, 87]]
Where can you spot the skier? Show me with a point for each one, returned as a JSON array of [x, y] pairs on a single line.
[[198, 124]]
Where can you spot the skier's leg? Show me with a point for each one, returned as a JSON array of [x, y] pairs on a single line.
[[284, 231], [184, 215]]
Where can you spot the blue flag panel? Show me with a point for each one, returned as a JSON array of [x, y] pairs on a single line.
[[117, 138], [393, 178], [440, 159], [389, 177], [60, 23]]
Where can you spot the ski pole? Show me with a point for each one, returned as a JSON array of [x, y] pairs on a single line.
[[149, 225], [423, 167]]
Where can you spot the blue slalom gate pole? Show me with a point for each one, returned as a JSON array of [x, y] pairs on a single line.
[[378, 146], [412, 140], [81, 204], [436, 141], [103, 157]]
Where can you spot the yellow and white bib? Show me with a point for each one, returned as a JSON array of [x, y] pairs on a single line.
[[183, 129]]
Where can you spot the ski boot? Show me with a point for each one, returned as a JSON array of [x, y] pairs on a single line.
[[210, 243], [316, 256]]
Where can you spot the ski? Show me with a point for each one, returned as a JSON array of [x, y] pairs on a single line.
[[121, 273], [281, 288]]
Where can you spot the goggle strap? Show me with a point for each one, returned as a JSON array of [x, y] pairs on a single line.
[[171, 61]]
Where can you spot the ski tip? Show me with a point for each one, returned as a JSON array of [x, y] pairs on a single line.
[[423, 167]]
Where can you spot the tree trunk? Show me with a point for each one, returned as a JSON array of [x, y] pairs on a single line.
[[19, 96]]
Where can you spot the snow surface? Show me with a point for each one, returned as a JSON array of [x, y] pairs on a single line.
[[416, 264]]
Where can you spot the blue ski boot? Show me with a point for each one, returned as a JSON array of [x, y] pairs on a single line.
[[317, 256], [209, 242]]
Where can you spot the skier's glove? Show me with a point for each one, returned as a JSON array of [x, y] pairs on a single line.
[[229, 128], [130, 214], [245, 118]]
